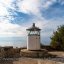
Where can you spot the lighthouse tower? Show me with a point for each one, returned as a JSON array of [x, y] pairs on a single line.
[[33, 41]]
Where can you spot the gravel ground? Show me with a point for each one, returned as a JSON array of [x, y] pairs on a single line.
[[58, 60], [36, 61]]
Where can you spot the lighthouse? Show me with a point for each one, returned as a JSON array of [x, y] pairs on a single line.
[[33, 44], [33, 38]]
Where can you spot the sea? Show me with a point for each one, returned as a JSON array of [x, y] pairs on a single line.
[[19, 41], [13, 41]]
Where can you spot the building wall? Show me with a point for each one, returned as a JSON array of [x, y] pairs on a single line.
[[33, 42]]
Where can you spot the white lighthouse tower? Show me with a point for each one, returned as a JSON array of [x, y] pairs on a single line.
[[33, 41]]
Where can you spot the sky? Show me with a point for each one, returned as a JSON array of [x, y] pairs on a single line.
[[17, 15]]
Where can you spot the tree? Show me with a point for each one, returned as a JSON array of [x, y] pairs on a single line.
[[57, 40]]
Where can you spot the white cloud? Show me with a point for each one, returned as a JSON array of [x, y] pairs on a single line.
[[40, 22], [3, 7], [3, 10], [34, 6], [6, 27], [6, 3], [52, 26], [29, 6], [47, 3], [9, 29]]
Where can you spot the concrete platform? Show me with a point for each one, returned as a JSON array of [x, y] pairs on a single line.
[[29, 53]]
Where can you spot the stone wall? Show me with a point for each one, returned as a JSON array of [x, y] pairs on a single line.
[[40, 53]]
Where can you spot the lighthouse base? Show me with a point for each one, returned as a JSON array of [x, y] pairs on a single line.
[[36, 53]]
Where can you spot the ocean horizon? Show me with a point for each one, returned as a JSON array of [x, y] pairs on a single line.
[[13, 41], [19, 41]]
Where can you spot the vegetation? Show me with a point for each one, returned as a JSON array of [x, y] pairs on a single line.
[[57, 40]]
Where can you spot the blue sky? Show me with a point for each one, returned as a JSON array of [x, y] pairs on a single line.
[[17, 15]]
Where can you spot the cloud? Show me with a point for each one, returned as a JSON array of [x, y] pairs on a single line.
[[9, 29], [17, 15], [7, 3], [55, 11], [29, 6], [3, 10], [4, 6], [47, 3]]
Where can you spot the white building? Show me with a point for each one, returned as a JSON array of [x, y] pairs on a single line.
[[33, 41]]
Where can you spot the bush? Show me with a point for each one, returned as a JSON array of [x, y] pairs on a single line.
[[57, 40]]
